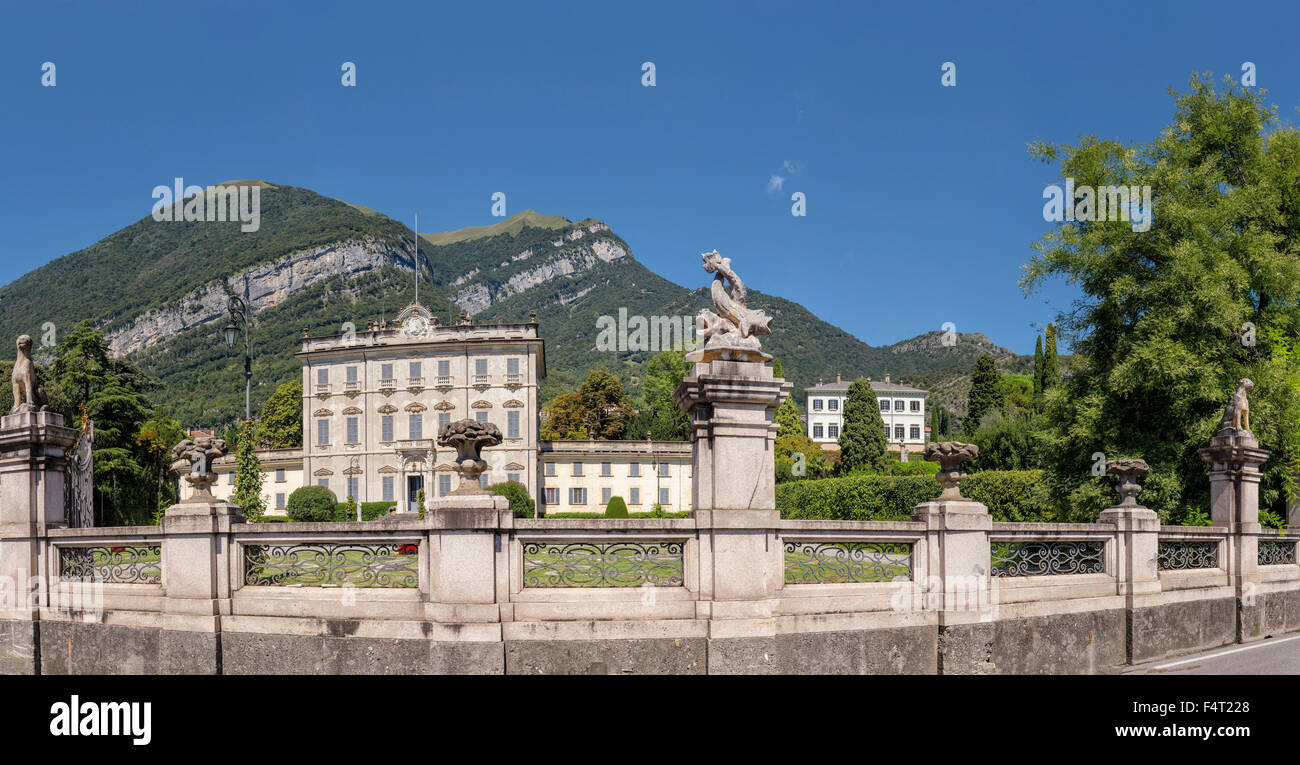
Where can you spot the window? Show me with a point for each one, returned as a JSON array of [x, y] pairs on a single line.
[[663, 469], [898, 405], [444, 368], [512, 424], [415, 426], [354, 435], [605, 496], [606, 469], [634, 496], [549, 468], [916, 405], [324, 482], [577, 496], [279, 475], [354, 487], [512, 366], [279, 501], [443, 419], [386, 371], [886, 431], [833, 404], [914, 433], [415, 369], [577, 468], [322, 377], [663, 497], [322, 432], [550, 496], [832, 431], [884, 405], [386, 483], [232, 479], [898, 432], [480, 416], [482, 480], [480, 366], [351, 374], [444, 484], [817, 405], [634, 469], [513, 477], [386, 428], [818, 432]]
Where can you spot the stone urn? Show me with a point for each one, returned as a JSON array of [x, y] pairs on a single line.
[[469, 438], [1129, 471], [950, 455], [194, 457]]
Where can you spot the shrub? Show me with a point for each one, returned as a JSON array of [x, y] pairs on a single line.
[[1011, 495], [369, 511], [914, 466], [616, 508], [273, 519], [521, 505], [312, 504], [859, 497]]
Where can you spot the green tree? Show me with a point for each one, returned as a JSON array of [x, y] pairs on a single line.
[[280, 425], [1051, 363], [521, 505], [157, 436], [1159, 334], [665, 420], [985, 393], [616, 508], [862, 440], [600, 409], [248, 477], [1038, 374]]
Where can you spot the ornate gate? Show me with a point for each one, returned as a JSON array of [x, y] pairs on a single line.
[[79, 482]]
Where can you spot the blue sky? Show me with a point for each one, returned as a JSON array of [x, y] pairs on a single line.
[[922, 200]]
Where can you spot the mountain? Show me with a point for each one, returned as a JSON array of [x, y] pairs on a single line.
[[159, 290]]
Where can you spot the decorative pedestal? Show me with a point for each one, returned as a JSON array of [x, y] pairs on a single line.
[[731, 405], [1234, 502]]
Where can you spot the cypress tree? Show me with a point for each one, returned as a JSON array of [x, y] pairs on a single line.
[[1051, 365], [985, 393], [1038, 374], [862, 440], [248, 477]]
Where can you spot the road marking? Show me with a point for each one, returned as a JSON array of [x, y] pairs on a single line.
[[1260, 644]]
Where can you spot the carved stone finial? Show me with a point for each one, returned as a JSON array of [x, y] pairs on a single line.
[[950, 455], [1128, 470], [195, 457], [29, 396], [466, 318], [469, 438], [730, 333], [1236, 418]]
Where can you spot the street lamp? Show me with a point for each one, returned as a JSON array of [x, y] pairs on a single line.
[[239, 320]]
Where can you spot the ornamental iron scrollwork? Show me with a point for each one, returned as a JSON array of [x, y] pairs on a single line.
[[326, 564], [1047, 558], [1178, 555], [1274, 552], [603, 564], [844, 562], [116, 564]]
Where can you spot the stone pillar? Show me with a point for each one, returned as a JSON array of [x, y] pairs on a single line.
[[1137, 533], [731, 405], [32, 467], [1235, 457], [198, 566]]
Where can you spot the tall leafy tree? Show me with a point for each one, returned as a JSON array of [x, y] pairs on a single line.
[[600, 409], [157, 436], [248, 477], [1160, 333], [666, 421], [985, 393], [787, 414], [862, 440], [280, 425]]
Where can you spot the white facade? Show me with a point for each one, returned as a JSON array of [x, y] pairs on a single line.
[[373, 403], [282, 473], [901, 407], [582, 476]]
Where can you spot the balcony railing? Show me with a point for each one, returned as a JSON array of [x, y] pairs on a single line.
[[415, 382], [387, 383], [515, 379], [442, 381], [482, 380], [352, 385]]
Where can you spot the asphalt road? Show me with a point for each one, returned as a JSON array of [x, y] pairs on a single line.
[[1274, 656]]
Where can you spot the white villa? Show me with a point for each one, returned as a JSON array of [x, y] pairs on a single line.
[[901, 407]]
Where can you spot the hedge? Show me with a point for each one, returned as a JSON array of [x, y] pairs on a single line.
[[651, 514], [521, 505], [369, 511], [1011, 495], [312, 504]]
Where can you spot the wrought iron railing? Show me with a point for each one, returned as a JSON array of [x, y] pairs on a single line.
[[1276, 552], [324, 564], [844, 562], [112, 564], [1047, 558], [1180, 554], [603, 564]]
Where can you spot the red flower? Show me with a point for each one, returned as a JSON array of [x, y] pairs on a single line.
[[408, 549], [119, 549]]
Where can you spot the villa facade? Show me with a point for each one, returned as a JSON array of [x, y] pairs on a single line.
[[902, 408]]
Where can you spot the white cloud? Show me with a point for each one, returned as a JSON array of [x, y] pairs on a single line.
[[791, 167], [774, 184]]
